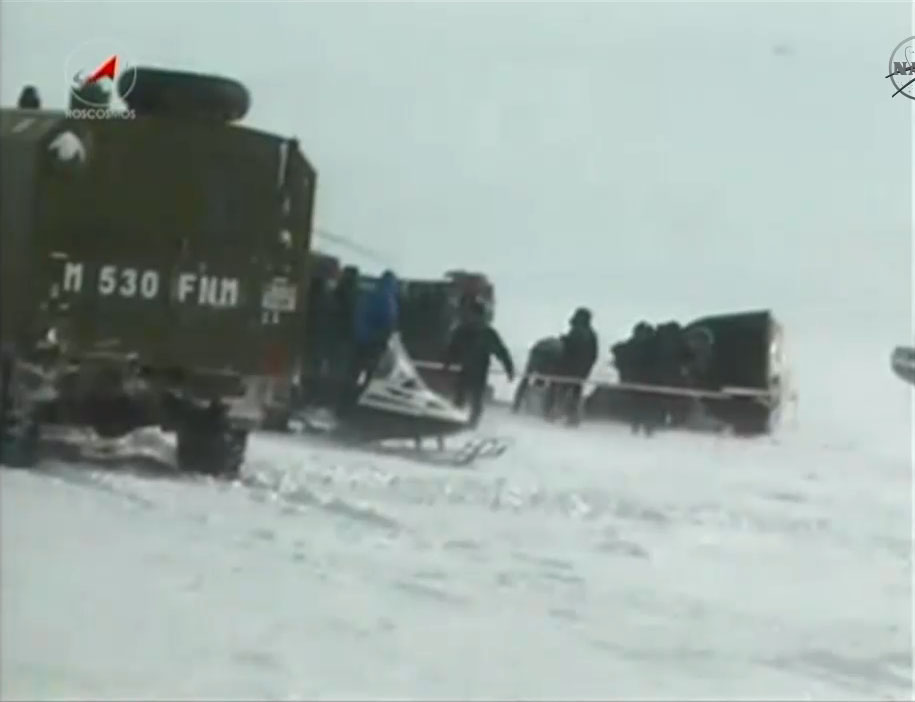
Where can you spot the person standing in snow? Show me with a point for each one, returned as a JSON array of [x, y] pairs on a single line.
[[317, 343], [343, 325], [636, 361], [376, 318], [579, 353], [472, 345]]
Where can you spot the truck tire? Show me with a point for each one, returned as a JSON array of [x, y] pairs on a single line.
[[20, 430], [211, 451], [19, 443], [161, 92], [276, 419], [208, 443]]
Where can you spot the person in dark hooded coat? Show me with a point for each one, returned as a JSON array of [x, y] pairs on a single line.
[[636, 361], [472, 345], [341, 331], [672, 361], [579, 354], [317, 339]]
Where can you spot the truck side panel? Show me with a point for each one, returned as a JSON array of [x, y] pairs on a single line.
[[18, 312], [164, 241]]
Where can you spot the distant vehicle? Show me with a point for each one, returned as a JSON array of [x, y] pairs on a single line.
[[731, 368], [903, 363], [151, 267]]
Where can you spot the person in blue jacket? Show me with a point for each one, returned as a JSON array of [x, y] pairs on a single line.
[[377, 317]]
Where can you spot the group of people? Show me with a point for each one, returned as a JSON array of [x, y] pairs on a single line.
[[666, 355], [347, 334], [356, 327], [571, 358]]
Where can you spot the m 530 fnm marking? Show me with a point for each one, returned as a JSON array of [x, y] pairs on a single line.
[[145, 284]]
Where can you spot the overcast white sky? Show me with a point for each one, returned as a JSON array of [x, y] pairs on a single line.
[[655, 159]]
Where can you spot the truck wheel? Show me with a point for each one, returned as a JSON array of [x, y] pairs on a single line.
[[19, 442], [209, 445], [20, 429], [217, 453], [182, 94], [276, 420]]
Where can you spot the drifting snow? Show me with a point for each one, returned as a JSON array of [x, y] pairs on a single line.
[[586, 564]]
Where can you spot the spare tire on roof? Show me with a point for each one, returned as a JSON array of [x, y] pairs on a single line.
[[155, 91]]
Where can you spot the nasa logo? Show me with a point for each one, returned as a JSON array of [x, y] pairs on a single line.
[[902, 68]]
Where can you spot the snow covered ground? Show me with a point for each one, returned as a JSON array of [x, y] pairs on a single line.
[[584, 563]]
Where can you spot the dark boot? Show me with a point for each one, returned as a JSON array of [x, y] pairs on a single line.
[[476, 405], [520, 394]]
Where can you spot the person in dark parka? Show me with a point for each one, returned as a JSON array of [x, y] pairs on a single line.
[[317, 322], [343, 325], [472, 344], [636, 361], [579, 354], [672, 361]]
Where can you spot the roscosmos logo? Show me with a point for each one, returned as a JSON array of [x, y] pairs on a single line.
[[95, 72]]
